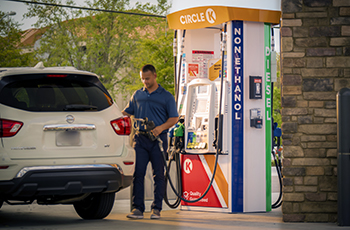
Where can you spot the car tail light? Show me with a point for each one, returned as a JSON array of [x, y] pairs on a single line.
[[122, 125], [9, 128], [128, 162]]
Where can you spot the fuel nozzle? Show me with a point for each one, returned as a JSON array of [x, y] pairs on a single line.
[[149, 125], [217, 143]]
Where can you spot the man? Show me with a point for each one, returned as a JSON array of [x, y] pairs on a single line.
[[158, 105]]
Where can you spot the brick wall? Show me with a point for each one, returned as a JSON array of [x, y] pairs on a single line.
[[315, 61]]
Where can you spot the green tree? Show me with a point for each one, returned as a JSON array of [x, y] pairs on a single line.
[[277, 105], [101, 42], [277, 117], [61, 43], [10, 37], [157, 50]]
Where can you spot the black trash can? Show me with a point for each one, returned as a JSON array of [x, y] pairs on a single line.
[[343, 133]]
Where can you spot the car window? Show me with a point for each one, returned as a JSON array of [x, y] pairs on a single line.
[[54, 94]]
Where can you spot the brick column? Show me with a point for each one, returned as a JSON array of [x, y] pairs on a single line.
[[315, 61]]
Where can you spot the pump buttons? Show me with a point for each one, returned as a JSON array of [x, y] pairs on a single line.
[[256, 122], [197, 145]]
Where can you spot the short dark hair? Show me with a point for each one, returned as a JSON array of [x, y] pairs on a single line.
[[148, 67]]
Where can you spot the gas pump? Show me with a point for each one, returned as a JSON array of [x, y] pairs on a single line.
[[232, 84]]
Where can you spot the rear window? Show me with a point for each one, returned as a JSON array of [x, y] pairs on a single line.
[[54, 94]]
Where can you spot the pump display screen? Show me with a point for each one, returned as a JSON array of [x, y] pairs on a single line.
[[201, 106], [203, 89]]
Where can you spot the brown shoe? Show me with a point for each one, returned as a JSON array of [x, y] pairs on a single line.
[[135, 214], [155, 214]]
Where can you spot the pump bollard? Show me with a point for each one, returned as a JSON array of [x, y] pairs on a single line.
[[343, 131]]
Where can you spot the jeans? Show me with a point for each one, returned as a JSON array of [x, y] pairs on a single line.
[[147, 150]]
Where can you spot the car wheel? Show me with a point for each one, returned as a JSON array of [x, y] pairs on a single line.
[[95, 206]]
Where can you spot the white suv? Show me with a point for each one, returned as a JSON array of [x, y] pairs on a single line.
[[62, 140]]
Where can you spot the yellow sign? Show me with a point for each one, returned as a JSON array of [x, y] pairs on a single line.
[[201, 17], [214, 69]]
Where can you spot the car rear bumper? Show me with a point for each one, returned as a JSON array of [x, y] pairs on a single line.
[[64, 181]]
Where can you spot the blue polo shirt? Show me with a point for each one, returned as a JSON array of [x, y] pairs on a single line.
[[158, 106]]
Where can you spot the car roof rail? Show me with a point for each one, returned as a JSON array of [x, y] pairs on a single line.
[[40, 65]]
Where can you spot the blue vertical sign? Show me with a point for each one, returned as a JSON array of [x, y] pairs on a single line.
[[237, 116]]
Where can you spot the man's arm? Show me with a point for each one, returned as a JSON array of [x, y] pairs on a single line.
[[169, 123]]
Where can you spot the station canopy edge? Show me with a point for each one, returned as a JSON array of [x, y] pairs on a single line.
[[208, 16]]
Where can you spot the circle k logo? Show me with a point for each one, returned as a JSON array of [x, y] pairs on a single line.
[[197, 17], [210, 15], [185, 194], [188, 166]]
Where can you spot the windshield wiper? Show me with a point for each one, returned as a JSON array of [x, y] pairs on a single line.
[[79, 107]]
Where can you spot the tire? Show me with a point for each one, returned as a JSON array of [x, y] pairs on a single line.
[[95, 206]]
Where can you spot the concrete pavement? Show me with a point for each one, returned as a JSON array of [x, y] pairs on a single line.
[[54, 217]]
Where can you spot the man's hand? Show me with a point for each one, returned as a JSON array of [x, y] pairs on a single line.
[[157, 130], [169, 123]]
